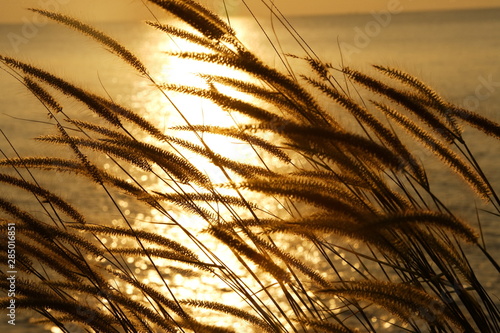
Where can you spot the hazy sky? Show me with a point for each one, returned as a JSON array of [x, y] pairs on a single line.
[[12, 10]]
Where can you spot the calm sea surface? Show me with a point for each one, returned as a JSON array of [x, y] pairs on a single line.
[[458, 53]]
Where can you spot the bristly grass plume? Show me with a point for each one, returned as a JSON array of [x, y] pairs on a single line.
[[386, 247]]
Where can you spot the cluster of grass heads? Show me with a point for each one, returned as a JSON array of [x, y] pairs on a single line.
[[389, 255]]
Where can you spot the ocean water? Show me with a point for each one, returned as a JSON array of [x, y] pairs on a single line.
[[456, 52]]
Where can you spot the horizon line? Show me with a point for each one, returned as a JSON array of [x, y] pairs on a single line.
[[293, 16]]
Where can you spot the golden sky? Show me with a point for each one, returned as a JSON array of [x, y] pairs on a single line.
[[11, 11]]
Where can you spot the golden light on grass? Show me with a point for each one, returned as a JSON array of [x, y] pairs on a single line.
[[206, 232]]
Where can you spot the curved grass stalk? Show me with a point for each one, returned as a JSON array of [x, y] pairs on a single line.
[[448, 156], [409, 254]]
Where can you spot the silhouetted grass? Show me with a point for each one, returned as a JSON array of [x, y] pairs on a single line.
[[385, 247]]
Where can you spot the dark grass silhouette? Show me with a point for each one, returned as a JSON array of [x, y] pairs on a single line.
[[358, 197]]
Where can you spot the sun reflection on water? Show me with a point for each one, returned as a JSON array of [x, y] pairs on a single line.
[[173, 222]]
